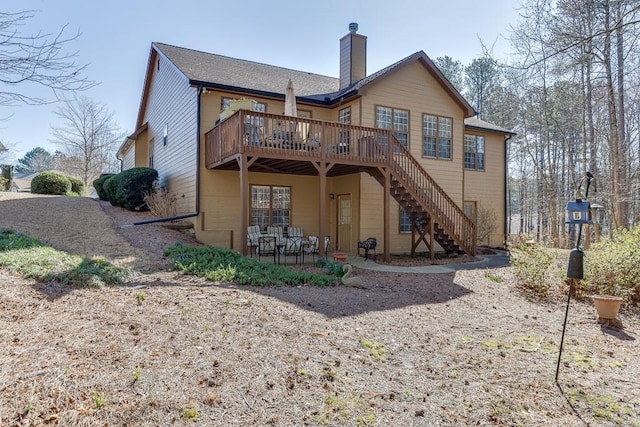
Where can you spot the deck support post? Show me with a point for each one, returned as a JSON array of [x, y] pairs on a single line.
[[244, 201], [387, 213]]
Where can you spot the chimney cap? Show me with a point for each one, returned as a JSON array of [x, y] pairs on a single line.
[[353, 27]]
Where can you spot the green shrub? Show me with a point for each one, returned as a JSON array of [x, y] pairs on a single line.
[[134, 184], [110, 188], [98, 185], [77, 186], [331, 267], [612, 266], [50, 183], [533, 265], [225, 265]]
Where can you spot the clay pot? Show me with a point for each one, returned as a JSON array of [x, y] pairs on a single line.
[[340, 256], [607, 306]]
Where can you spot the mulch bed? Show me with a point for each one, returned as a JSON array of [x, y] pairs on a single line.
[[461, 348]]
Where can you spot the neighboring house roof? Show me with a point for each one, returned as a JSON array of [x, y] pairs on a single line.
[[22, 182], [474, 122]]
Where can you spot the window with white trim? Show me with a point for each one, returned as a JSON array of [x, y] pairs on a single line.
[[405, 221], [270, 206], [436, 136], [474, 152], [258, 106], [396, 120], [344, 116]]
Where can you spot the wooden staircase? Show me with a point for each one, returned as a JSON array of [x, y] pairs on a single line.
[[430, 208]]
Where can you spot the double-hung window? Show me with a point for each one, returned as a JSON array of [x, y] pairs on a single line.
[[474, 152], [270, 205], [396, 120], [405, 222], [436, 136]]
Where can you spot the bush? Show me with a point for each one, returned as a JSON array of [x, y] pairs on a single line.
[[110, 188], [4, 183], [98, 185], [50, 183], [133, 185], [160, 202], [225, 265], [534, 266], [612, 266], [77, 186]]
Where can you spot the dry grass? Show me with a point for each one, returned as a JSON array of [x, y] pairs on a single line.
[[452, 349]]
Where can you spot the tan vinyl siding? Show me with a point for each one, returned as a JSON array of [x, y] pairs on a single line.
[[221, 210], [173, 103], [413, 88], [486, 188], [129, 158]]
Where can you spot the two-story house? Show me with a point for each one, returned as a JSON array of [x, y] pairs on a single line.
[[397, 155]]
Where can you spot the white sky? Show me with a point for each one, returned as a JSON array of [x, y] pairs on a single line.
[[302, 35]]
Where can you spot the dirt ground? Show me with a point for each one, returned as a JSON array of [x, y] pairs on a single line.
[[465, 348]]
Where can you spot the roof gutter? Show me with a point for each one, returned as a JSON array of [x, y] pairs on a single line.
[[197, 211], [506, 175]]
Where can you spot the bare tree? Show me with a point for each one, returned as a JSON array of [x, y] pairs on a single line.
[[89, 138], [39, 59]]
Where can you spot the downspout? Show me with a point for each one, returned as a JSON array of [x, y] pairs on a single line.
[[197, 211], [506, 199]]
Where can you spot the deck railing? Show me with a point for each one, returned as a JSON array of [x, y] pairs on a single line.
[[293, 137], [432, 197], [250, 131]]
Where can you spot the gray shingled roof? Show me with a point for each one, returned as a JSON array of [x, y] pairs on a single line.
[[222, 70], [481, 124], [219, 70]]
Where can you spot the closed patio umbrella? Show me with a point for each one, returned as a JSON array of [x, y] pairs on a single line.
[[290, 108]]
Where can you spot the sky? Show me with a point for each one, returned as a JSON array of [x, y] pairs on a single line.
[[116, 36]]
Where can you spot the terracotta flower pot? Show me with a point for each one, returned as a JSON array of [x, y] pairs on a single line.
[[607, 306], [340, 256]]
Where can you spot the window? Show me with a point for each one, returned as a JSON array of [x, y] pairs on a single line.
[[436, 136], [397, 120], [305, 114], [470, 210], [344, 116], [474, 152], [258, 106], [270, 205], [165, 134], [405, 222]]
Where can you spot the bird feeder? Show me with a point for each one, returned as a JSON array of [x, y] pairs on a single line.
[[579, 212]]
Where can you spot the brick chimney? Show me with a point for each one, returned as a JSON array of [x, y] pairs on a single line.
[[353, 57]]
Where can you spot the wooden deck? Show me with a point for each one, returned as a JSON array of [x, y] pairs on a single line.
[[260, 142], [288, 144]]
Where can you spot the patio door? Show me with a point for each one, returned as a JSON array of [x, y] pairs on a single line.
[[344, 223]]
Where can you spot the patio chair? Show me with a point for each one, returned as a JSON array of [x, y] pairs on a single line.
[[267, 247], [313, 247], [292, 246], [253, 233], [295, 232], [276, 231], [368, 245]]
